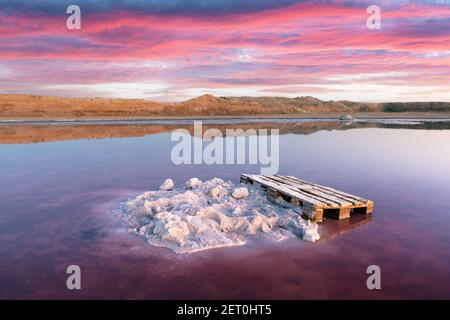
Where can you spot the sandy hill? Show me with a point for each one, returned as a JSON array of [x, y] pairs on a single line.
[[296, 105], [31, 106]]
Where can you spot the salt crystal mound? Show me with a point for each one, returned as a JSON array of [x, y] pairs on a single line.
[[166, 185], [208, 216]]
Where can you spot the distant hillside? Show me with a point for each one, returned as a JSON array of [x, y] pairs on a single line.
[[31, 106], [295, 105]]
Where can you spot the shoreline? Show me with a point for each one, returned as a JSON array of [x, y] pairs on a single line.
[[443, 116]]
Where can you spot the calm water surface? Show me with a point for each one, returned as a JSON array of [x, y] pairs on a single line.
[[58, 200]]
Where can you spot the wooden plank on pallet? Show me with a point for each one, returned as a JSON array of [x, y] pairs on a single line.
[[336, 191], [318, 198], [326, 201], [284, 190], [319, 189], [310, 210], [333, 200], [330, 189], [340, 194]]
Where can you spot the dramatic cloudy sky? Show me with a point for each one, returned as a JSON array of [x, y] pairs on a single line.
[[177, 49]]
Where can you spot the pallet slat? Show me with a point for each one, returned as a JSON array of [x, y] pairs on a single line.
[[329, 191], [322, 201], [283, 189], [328, 197]]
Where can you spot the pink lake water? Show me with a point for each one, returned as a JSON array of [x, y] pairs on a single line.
[[58, 199]]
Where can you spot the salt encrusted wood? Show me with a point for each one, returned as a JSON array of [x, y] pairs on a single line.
[[315, 200]]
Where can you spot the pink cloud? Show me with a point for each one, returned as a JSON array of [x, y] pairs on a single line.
[[302, 44]]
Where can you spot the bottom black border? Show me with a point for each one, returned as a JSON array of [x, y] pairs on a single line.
[[273, 309]]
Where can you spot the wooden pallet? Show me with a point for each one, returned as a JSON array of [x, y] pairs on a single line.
[[315, 200]]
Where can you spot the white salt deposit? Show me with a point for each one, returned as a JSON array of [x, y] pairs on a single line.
[[213, 214], [240, 193], [193, 183], [167, 185]]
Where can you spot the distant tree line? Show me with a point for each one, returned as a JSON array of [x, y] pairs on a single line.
[[416, 106]]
